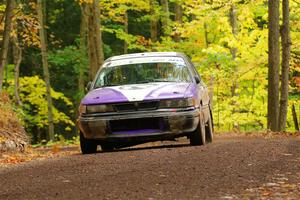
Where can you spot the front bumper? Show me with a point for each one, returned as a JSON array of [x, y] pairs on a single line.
[[114, 126]]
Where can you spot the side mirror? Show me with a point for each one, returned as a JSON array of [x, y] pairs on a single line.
[[197, 79], [88, 86]]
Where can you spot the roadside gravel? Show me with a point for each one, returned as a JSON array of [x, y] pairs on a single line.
[[232, 167]]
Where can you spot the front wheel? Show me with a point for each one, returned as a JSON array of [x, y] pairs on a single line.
[[197, 137], [209, 129], [87, 146]]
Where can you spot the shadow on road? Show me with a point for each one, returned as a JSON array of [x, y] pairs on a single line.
[[148, 147]]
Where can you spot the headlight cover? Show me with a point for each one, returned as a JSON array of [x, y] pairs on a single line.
[[99, 108], [177, 103]]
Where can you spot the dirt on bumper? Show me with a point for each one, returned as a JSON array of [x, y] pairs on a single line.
[[167, 123]]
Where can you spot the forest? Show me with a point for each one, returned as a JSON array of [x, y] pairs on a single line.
[[50, 50]]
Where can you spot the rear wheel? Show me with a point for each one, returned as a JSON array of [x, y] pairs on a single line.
[[87, 146], [209, 129], [197, 137]]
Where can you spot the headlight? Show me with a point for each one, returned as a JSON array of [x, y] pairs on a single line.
[[82, 109], [99, 108], [177, 103]]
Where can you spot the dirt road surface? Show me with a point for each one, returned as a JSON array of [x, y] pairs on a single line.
[[230, 168]]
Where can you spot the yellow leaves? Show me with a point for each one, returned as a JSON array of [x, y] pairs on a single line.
[[2, 13], [85, 1], [27, 25], [2, 138], [133, 41], [2, 8], [246, 18], [32, 5], [35, 107], [296, 82], [247, 71], [68, 128], [193, 28], [115, 9], [215, 49], [143, 41]]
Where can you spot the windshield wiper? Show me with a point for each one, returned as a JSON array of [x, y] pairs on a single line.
[[162, 80], [144, 81], [108, 85], [154, 80]]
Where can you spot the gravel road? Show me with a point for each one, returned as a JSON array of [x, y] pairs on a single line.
[[230, 168]]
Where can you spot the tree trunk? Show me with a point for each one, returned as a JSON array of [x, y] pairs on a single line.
[[295, 118], [17, 52], [178, 12], [82, 60], [126, 31], [285, 42], [45, 68], [233, 50], [211, 77], [205, 29], [154, 20], [234, 28], [178, 18], [7, 28], [165, 16], [17, 57], [273, 59], [95, 49], [205, 34], [211, 90], [83, 48]]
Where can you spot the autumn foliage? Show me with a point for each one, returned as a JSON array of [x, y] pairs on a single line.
[[226, 40]]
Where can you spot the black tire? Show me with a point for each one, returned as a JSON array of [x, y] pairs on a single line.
[[197, 137], [87, 146], [209, 136], [107, 147]]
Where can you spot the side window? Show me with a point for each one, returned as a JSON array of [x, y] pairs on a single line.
[[194, 71]]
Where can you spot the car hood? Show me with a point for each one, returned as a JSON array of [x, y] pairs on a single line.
[[140, 92]]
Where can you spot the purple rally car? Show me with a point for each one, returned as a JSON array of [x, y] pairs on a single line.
[[137, 98]]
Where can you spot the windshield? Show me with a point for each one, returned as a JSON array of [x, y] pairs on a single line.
[[142, 73]]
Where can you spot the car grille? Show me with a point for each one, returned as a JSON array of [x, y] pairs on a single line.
[[139, 124], [136, 106]]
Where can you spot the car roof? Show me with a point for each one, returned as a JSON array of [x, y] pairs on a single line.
[[145, 54]]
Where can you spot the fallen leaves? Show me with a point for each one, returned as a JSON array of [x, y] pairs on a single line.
[[2, 139], [37, 154], [282, 188], [12, 159]]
